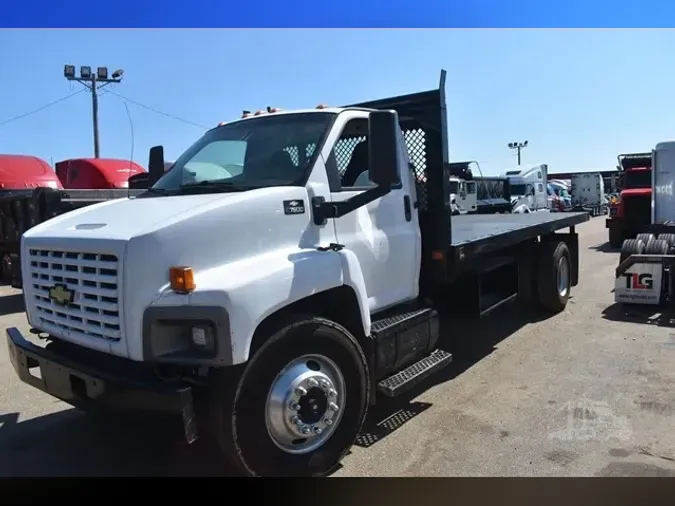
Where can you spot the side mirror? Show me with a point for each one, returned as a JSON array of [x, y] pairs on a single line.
[[155, 164], [383, 150], [139, 181]]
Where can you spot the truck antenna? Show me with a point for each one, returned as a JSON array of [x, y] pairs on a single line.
[[131, 129]]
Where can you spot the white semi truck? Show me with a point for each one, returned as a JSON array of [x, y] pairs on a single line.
[[270, 308]]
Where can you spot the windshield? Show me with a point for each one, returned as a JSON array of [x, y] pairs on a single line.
[[454, 187], [273, 150], [518, 189], [637, 179]]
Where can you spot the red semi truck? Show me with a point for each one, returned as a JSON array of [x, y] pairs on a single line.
[[633, 212], [31, 192], [96, 173]]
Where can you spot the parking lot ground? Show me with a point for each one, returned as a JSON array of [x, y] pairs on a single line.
[[588, 392]]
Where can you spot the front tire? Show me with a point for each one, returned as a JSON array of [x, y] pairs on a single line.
[[298, 405]]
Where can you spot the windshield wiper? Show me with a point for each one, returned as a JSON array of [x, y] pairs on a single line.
[[157, 191], [215, 185]]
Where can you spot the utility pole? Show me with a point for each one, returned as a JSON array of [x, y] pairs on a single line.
[[94, 82], [518, 146]]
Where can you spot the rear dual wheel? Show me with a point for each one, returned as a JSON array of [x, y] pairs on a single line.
[[545, 279]]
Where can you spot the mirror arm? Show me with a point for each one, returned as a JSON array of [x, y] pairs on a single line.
[[339, 209]]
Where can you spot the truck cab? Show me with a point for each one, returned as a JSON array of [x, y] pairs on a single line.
[[18, 172], [528, 191], [463, 197], [96, 173], [632, 213]]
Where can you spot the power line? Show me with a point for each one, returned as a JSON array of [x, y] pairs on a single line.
[[20, 116], [182, 120]]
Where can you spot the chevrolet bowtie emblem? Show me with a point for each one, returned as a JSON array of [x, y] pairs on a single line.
[[61, 295]]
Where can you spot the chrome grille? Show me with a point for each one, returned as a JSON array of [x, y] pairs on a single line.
[[94, 311]]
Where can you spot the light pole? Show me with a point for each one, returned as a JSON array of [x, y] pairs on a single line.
[[518, 146], [94, 81]]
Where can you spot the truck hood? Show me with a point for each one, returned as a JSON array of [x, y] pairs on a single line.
[[636, 192], [122, 219], [125, 219]]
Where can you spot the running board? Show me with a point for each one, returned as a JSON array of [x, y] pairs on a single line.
[[403, 381]]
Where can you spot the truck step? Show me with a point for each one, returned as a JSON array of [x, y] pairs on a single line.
[[412, 375], [403, 319]]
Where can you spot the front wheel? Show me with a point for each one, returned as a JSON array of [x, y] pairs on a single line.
[[298, 405]]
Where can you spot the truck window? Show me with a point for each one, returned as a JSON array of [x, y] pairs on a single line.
[[218, 160], [350, 155], [540, 188], [453, 187], [257, 152], [637, 179], [518, 189], [471, 188]]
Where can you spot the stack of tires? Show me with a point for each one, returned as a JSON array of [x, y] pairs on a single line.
[[648, 244]]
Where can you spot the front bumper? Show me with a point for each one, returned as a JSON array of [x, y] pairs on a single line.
[[612, 222], [82, 378]]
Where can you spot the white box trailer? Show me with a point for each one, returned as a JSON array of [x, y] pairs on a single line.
[[646, 271], [588, 193]]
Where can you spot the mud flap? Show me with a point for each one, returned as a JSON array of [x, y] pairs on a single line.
[[641, 279]]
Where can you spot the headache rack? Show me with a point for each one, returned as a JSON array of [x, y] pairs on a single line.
[[423, 121], [635, 161]]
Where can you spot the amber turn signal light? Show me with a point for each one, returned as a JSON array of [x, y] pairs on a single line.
[[182, 279]]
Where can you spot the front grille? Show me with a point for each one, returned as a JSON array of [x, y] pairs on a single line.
[[637, 211], [93, 277]]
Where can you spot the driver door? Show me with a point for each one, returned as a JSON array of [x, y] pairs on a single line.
[[384, 234]]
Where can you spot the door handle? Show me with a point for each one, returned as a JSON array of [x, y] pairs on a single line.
[[407, 208]]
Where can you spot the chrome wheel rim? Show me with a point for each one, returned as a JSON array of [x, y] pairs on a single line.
[[305, 404], [563, 277]]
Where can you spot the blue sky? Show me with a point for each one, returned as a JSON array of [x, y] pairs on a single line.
[[578, 96]]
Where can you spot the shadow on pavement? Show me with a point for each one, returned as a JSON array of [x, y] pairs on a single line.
[[70, 443], [605, 248], [11, 304], [648, 315], [391, 414]]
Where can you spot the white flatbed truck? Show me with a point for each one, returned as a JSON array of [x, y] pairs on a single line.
[[271, 307]]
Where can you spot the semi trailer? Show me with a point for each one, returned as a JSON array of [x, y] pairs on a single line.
[[268, 300], [646, 271], [588, 193]]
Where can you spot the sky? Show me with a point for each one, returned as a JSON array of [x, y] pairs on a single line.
[[579, 97]]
